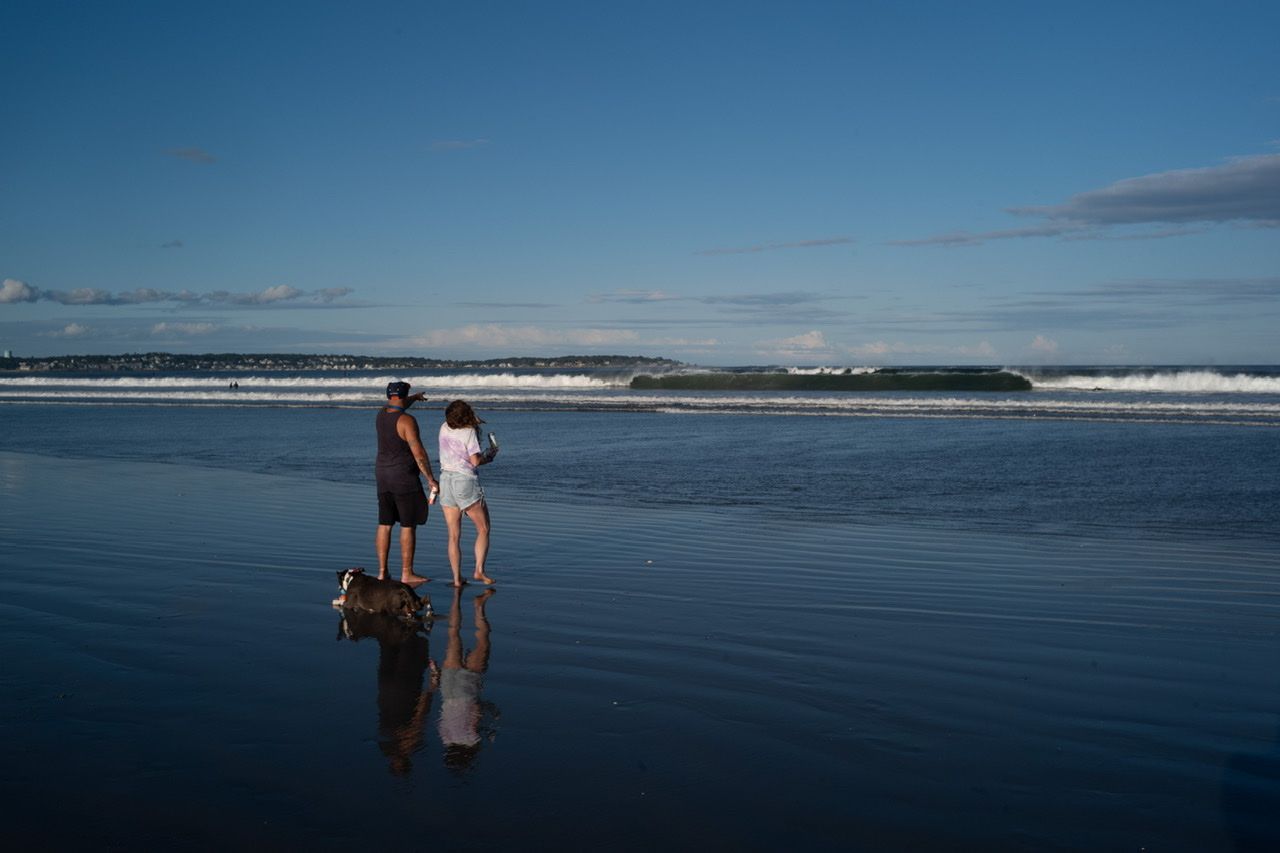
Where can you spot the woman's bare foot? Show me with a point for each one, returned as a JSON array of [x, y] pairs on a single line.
[[458, 584], [413, 579], [485, 579]]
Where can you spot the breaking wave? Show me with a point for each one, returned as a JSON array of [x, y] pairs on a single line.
[[1188, 395], [879, 380], [1164, 381]]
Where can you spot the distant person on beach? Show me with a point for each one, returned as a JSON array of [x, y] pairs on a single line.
[[401, 457], [460, 490]]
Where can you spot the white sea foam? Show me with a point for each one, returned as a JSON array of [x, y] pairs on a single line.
[[1169, 382], [555, 391], [822, 371]]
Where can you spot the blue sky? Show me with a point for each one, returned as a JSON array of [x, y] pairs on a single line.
[[721, 183]]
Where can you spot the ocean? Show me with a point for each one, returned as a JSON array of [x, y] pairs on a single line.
[[730, 617], [1140, 451]]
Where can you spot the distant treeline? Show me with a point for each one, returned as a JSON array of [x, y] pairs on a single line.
[[895, 380], [165, 361]]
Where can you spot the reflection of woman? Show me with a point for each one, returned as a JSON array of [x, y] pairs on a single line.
[[460, 683], [460, 490]]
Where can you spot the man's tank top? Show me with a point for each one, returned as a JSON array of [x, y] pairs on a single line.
[[395, 469]]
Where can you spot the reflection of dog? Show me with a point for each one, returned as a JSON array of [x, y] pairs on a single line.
[[406, 681], [390, 631], [361, 592]]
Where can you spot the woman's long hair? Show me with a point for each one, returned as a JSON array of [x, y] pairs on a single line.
[[459, 414]]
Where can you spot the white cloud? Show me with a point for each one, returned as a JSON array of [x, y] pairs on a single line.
[[814, 344], [882, 349], [71, 330], [278, 293], [811, 344], [814, 340], [167, 329], [493, 335], [1047, 346], [17, 291], [982, 349], [688, 343], [82, 296]]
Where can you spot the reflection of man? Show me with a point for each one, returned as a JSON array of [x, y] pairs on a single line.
[[401, 457], [403, 663], [460, 684]]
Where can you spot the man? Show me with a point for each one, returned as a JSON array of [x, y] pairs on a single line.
[[401, 457]]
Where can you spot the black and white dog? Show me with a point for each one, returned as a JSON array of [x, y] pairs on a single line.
[[362, 592]]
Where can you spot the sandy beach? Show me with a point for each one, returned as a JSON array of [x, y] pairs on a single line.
[[719, 679]]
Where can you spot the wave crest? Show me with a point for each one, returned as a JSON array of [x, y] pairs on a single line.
[[1168, 382]]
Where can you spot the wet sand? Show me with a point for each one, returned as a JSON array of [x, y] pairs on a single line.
[[175, 676]]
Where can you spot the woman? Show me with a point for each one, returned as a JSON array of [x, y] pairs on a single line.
[[460, 490]]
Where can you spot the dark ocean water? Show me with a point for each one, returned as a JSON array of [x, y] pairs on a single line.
[[1047, 475], [1038, 621]]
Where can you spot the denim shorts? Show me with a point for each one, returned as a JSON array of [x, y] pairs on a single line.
[[459, 490]]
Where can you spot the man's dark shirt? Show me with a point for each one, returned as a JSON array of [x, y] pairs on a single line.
[[396, 469]]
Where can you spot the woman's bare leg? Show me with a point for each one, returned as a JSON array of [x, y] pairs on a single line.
[[478, 512], [453, 521]]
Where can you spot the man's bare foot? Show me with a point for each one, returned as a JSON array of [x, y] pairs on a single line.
[[413, 580], [485, 579], [458, 584], [382, 576]]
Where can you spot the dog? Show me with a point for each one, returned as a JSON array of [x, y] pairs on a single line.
[[368, 594]]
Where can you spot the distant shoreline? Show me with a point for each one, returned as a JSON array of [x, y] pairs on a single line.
[[163, 361]]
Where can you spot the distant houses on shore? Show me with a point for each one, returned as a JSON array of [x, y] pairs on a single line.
[[166, 362]]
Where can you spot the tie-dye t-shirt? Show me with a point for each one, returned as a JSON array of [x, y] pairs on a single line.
[[456, 447]]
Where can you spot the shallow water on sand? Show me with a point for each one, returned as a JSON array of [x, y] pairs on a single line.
[[1130, 478], [678, 676]]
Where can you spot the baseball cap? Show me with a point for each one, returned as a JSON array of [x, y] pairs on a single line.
[[397, 389]]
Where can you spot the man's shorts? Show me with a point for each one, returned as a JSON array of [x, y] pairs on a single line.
[[459, 490], [408, 509]]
